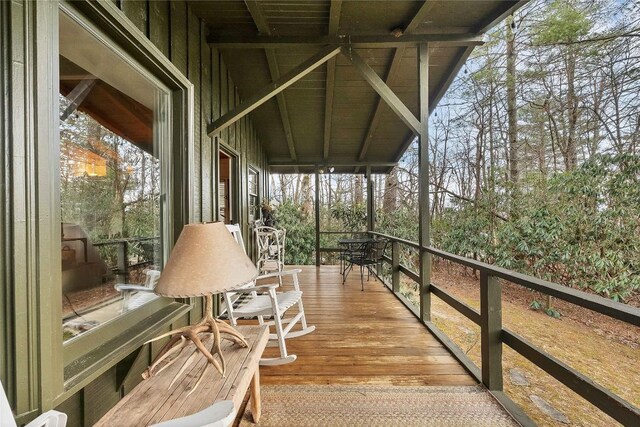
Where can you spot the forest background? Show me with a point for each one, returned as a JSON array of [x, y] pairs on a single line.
[[534, 157]]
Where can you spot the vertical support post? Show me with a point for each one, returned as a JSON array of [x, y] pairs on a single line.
[[491, 327], [423, 196], [370, 202], [216, 175], [123, 262], [317, 209], [395, 266]]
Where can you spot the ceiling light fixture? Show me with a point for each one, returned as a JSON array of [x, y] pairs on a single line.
[[397, 32]]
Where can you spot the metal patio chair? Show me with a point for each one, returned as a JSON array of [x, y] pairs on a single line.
[[367, 255]]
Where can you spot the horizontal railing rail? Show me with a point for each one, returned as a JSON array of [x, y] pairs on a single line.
[[344, 232], [336, 249], [494, 335], [593, 302], [124, 240], [396, 239], [123, 263]]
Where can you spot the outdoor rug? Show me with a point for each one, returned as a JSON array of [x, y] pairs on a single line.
[[371, 405]]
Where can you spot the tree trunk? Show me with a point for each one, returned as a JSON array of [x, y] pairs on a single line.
[[305, 192], [283, 188], [477, 165], [143, 178], [390, 192], [511, 104], [296, 193], [570, 151], [358, 196]]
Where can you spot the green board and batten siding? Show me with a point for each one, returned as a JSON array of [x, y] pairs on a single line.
[[29, 294]]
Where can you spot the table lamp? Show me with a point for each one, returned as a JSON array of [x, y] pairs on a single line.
[[206, 260]]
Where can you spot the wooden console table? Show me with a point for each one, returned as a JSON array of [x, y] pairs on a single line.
[[150, 402]]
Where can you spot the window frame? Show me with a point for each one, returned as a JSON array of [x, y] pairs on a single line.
[[253, 216], [79, 361], [235, 179], [77, 347]]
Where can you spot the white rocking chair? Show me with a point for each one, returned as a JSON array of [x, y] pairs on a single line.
[[48, 419], [134, 296], [220, 414], [270, 304]]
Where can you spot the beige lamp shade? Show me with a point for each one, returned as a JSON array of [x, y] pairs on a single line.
[[206, 260]]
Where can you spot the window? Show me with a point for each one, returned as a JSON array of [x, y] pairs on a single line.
[[228, 185], [254, 204], [113, 127]]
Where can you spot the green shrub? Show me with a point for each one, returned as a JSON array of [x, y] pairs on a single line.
[[301, 237]]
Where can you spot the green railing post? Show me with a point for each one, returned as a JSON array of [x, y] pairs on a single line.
[[425, 285], [123, 261], [490, 330], [395, 266], [371, 207], [317, 213], [424, 211]]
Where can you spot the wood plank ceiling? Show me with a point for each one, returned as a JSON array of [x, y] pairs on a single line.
[[332, 116]]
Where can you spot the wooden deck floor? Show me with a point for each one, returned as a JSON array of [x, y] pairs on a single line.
[[361, 337]]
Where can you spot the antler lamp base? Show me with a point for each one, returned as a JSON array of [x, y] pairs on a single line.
[[180, 340]]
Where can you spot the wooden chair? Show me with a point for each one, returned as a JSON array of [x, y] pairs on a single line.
[[263, 301], [134, 296], [271, 245], [48, 419]]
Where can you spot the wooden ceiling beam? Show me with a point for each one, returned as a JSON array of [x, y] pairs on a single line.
[[505, 9], [377, 115], [334, 24], [272, 89], [392, 100], [408, 139], [335, 11], [274, 70], [328, 105], [132, 107], [258, 17], [361, 41], [77, 95], [451, 73], [419, 17], [282, 104]]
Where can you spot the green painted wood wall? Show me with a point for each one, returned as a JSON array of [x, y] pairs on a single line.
[[29, 231]]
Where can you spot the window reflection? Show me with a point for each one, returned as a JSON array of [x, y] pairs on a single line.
[[110, 191]]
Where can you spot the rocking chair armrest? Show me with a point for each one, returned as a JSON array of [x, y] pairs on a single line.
[[125, 287], [255, 288], [50, 418], [279, 273]]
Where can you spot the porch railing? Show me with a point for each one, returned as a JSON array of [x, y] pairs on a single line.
[[493, 334], [333, 247], [125, 248]]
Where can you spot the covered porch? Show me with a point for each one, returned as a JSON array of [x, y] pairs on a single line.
[[253, 88], [345, 88], [362, 338]]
